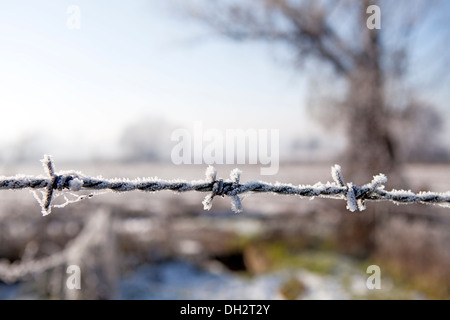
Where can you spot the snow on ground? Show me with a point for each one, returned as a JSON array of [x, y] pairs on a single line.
[[179, 280]]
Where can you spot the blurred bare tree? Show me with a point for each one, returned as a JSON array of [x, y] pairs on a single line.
[[363, 77], [419, 124], [333, 36]]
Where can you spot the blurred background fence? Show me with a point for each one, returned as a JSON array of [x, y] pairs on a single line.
[[290, 247]]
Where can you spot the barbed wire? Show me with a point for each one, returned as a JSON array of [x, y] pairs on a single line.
[[70, 182]]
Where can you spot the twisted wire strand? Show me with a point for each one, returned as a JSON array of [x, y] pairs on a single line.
[[356, 196]]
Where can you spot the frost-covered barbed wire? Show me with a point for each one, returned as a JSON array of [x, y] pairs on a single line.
[[70, 182]]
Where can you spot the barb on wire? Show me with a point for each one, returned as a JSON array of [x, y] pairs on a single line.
[[69, 182]]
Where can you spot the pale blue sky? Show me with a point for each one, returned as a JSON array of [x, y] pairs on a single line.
[[131, 59]]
